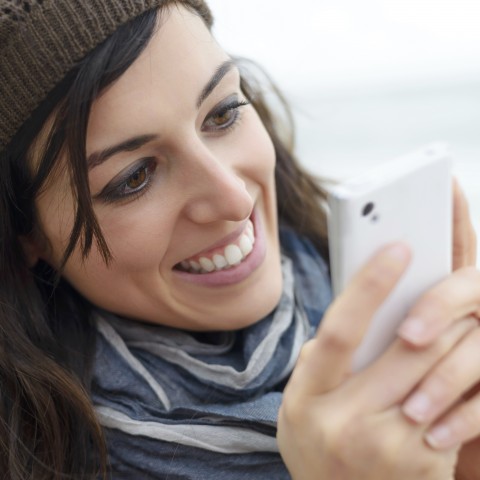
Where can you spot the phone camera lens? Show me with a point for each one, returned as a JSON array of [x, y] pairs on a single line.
[[367, 209]]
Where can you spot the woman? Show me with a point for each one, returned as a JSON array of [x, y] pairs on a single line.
[[163, 264]]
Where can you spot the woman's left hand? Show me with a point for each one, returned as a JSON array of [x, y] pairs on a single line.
[[464, 258], [439, 385], [465, 255]]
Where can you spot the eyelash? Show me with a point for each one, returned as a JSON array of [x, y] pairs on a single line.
[[116, 192], [232, 106]]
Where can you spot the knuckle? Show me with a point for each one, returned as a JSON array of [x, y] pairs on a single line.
[[291, 412], [356, 439], [470, 273], [435, 300], [307, 420], [334, 340], [445, 379], [444, 344], [306, 352]]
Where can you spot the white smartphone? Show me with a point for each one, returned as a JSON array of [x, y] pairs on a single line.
[[407, 199]]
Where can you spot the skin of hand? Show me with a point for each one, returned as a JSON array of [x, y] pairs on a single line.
[[464, 255], [392, 419]]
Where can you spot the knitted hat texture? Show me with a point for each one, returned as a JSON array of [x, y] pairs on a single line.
[[42, 40]]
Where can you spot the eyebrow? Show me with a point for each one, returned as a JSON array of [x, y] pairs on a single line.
[[129, 145], [132, 144], [221, 71]]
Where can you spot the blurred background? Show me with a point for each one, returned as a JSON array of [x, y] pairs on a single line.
[[368, 80]]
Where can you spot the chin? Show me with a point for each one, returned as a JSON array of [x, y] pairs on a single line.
[[265, 300]]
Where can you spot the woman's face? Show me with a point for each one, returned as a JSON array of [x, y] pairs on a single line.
[[179, 170]]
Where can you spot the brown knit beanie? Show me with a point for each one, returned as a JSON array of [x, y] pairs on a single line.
[[42, 40]]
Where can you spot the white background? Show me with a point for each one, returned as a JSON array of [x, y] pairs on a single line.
[[368, 79]]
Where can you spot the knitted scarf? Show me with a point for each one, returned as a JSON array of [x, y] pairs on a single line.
[[174, 407]]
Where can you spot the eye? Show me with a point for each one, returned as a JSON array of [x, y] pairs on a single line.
[[137, 179], [224, 116], [133, 182]]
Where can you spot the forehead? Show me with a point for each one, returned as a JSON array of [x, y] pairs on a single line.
[[177, 62]]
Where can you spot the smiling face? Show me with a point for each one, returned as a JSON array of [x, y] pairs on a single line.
[[181, 173]]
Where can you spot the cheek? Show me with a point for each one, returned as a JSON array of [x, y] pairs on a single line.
[[138, 234], [260, 140], [256, 149], [137, 237], [136, 258]]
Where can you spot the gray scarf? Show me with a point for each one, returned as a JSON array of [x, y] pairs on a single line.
[[175, 407]]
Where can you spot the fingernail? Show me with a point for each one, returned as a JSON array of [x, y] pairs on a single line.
[[417, 407], [413, 330], [440, 436]]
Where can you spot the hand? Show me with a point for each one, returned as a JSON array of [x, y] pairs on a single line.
[[459, 372], [464, 254], [464, 237], [465, 248], [333, 425]]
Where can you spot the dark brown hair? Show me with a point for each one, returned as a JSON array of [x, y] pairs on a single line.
[[299, 193], [48, 428]]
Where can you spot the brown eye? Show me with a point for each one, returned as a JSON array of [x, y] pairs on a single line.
[[137, 179], [224, 116], [130, 183], [223, 119]]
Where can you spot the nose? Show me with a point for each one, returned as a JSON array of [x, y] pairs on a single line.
[[215, 189]]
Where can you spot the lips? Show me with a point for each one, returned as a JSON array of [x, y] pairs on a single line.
[[222, 257]]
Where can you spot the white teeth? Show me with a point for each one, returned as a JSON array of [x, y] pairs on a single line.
[[233, 255], [207, 264], [245, 245], [219, 261], [249, 232], [195, 265]]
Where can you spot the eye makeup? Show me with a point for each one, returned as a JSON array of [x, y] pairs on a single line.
[[224, 116], [135, 180], [130, 183]]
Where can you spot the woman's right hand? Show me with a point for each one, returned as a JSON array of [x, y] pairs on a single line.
[[336, 425]]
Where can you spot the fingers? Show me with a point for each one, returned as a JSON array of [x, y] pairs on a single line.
[[458, 427], [464, 237], [442, 391], [399, 370], [451, 378], [456, 297], [346, 321]]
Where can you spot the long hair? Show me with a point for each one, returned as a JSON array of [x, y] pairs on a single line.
[[48, 427]]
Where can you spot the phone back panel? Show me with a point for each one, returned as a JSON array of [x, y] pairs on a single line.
[[408, 200]]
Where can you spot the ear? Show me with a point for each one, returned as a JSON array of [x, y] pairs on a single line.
[[31, 249]]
